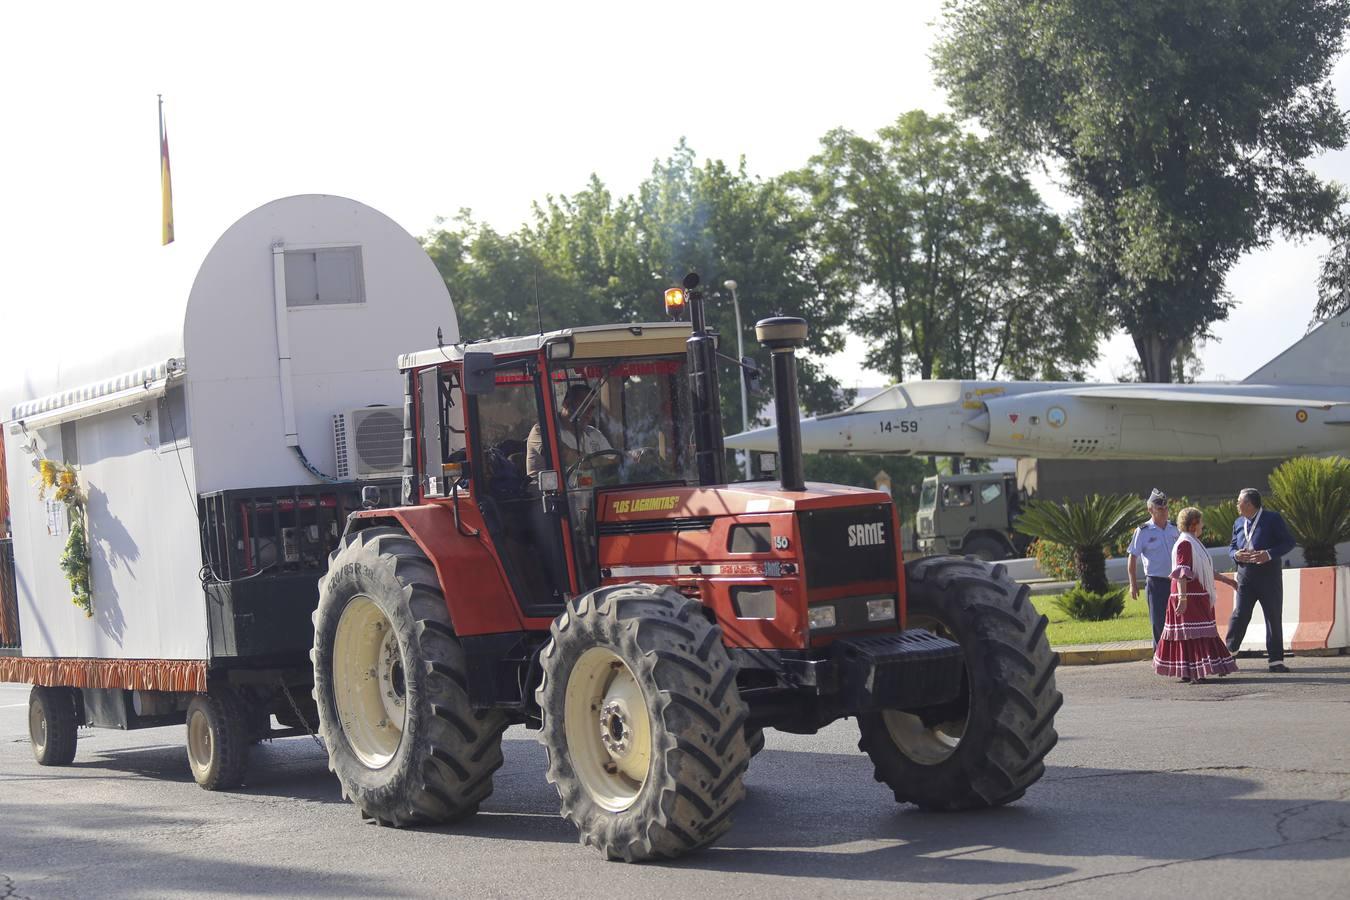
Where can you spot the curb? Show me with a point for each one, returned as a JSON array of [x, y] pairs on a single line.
[[1071, 657]]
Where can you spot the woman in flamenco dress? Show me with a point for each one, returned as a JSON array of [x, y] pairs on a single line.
[[1190, 649]]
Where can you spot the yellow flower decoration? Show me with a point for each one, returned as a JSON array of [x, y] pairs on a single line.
[[46, 477]]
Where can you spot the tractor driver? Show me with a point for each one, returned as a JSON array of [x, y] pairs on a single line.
[[572, 428]]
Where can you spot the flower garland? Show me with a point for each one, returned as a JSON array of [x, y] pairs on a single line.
[[75, 559]]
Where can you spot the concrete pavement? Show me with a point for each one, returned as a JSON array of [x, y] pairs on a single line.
[[1235, 789]]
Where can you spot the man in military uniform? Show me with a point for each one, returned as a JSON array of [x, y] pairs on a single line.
[[1153, 541]]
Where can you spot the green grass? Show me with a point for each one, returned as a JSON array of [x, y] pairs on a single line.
[[1132, 624]]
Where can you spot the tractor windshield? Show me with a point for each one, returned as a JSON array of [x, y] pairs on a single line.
[[625, 421]]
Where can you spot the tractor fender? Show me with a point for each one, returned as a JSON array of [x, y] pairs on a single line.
[[477, 592]]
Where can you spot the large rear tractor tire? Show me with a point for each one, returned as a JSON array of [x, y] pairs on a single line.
[[53, 727], [391, 688], [218, 738], [643, 722], [987, 747]]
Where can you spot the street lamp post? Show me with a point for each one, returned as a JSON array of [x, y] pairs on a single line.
[[740, 355]]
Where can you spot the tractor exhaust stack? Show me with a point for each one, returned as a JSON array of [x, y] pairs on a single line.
[[710, 454], [783, 335]]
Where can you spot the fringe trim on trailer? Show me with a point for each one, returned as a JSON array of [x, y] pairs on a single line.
[[131, 674]]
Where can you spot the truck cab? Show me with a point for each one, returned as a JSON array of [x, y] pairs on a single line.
[[970, 515]]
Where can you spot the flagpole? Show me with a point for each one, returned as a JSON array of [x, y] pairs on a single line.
[[165, 181]]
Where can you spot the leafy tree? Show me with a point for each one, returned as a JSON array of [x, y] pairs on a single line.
[[1182, 126], [494, 279], [958, 268], [1087, 527], [1313, 495], [1333, 282], [726, 225], [592, 258]]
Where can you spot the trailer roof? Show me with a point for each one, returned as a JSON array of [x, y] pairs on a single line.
[[588, 342]]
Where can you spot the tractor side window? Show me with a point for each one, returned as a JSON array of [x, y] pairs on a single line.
[[991, 493], [441, 423], [507, 419]]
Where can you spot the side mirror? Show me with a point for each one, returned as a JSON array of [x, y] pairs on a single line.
[[480, 372], [753, 376]]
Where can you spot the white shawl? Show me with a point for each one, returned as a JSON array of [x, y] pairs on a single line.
[[1201, 563]]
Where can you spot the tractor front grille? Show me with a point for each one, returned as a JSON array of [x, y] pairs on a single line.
[[851, 545]]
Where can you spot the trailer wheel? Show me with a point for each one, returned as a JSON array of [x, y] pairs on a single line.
[[391, 688], [987, 747], [53, 726], [643, 723], [218, 737]]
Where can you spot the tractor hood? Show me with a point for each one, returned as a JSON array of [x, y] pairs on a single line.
[[679, 502]]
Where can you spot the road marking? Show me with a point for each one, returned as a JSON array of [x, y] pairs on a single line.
[[13, 705]]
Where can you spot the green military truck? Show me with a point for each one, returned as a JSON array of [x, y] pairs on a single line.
[[970, 515]]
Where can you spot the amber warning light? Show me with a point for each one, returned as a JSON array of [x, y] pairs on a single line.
[[675, 299]]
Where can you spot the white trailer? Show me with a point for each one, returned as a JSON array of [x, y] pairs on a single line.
[[217, 453]]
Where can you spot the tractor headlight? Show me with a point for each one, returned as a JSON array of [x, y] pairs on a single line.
[[822, 616], [881, 610]]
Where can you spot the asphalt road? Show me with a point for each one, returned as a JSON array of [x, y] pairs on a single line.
[[1235, 789]]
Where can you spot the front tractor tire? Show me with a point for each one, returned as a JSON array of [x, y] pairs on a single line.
[[391, 689], [988, 746], [643, 722]]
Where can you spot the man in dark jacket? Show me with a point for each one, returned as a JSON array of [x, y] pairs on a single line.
[[1260, 539]]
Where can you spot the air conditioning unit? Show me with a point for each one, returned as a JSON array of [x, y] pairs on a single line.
[[369, 442]]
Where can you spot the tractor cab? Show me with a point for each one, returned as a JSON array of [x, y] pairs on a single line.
[[528, 430]]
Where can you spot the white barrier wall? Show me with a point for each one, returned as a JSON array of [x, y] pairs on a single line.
[[1315, 612]]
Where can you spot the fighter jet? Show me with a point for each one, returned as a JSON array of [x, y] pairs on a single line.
[[1297, 404]]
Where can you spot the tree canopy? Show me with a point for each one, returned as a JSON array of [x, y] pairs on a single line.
[[1182, 126], [590, 258], [953, 265]]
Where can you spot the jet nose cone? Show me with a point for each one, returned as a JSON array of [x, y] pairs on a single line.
[[764, 439]]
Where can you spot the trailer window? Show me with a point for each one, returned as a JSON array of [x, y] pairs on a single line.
[[324, 276]]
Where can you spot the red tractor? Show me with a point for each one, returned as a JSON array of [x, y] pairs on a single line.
[[569, 556]]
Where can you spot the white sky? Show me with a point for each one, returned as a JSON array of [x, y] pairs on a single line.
[[421, 109]]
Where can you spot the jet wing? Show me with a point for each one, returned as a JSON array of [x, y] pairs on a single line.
[[1201, 396]]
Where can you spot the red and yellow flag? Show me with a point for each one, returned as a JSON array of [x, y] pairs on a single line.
[[165, 182]]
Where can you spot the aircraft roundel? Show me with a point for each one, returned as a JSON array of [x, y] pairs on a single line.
[[1301, 415], [1056, 416]]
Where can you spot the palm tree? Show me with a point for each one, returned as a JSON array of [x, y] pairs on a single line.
[[1313, 495], [1219, 519], [1086, 528]]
